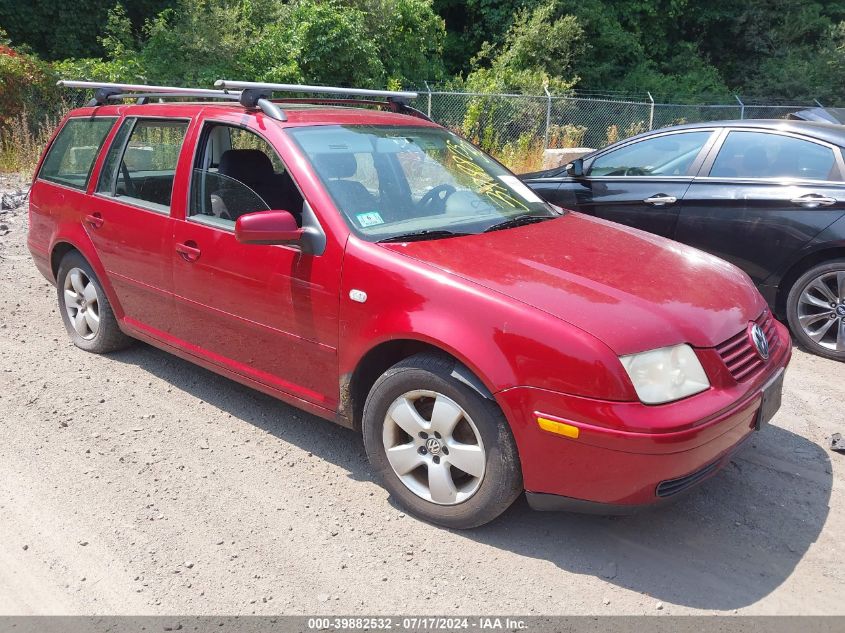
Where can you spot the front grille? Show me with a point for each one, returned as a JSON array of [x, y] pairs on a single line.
[[674, 486], [739, 354]]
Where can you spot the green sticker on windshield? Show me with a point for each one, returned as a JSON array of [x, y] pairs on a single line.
[[369, 219]]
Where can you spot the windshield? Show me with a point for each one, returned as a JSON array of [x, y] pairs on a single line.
[[424, 182]]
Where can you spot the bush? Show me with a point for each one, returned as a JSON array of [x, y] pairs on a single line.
[[22, 140], [24, 80]]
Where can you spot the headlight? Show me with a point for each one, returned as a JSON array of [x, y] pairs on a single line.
[[665, 374]]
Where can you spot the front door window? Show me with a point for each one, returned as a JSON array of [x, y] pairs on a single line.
[[667, 155]]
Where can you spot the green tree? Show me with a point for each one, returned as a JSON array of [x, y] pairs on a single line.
[[540, 49], [58, 30], [316, 42], [409, 36]]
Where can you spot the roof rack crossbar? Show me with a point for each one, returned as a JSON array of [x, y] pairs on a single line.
[[393, 95], [104, 91], [209, 94]]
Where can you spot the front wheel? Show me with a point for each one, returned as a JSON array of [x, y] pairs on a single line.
[[441, 448], [815, 309]]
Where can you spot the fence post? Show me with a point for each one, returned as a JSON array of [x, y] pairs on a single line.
[[428, 88], [741, 107], [650, 112], [548, 116]]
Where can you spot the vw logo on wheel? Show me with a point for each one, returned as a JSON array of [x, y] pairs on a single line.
[[758, 339], [433, 446]]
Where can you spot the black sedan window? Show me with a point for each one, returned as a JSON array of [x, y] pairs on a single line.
[[668, 155], [762, 155]]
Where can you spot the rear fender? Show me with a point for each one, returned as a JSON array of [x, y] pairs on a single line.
[[75, 236]]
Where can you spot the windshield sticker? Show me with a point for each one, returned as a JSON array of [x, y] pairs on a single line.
[[521, 188], [369, 219]]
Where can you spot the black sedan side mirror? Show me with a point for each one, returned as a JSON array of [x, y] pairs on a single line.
[[576, 168]]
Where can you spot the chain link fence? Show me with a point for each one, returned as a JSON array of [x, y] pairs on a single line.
[[517, 128]]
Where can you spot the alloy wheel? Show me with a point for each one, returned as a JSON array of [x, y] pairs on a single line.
[[821, 310], [82, 303], [434, 447]]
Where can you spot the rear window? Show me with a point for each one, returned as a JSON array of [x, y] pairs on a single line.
[[72, 154]]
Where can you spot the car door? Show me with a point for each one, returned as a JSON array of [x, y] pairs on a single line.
[[267, 312], [761, 196], [640, 183], [131, 226]]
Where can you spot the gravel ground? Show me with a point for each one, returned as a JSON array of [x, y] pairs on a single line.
[[140, 484]]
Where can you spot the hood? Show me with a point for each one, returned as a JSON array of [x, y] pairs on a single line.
[[632, 290]]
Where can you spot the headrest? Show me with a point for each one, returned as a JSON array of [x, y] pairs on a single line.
[[336, 165], [246, 165]]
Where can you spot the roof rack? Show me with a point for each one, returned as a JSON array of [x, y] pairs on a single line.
[[248, 93], [252, 92], [267, 88], [103, 92]]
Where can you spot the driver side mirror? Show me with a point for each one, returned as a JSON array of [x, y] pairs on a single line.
[[576, 168], [268, 227]]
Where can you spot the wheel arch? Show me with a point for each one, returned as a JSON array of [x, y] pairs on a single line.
[[355, 386], [57, 254], [798, 268], [63, 245]]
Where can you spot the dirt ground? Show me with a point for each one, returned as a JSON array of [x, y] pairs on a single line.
[[140, 484]]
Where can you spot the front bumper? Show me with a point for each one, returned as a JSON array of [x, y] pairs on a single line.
[[625, 450]]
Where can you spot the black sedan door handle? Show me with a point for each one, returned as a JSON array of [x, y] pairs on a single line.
[[813, 200], [660, 200]]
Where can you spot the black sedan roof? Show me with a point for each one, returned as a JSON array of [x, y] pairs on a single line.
[[828, 132]]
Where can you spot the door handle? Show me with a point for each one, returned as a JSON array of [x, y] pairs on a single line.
[[813, 200], [660, 199], [189, 251], [95, 220]]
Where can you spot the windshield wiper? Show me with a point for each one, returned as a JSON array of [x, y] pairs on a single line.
[[416, 236], [519, 220]]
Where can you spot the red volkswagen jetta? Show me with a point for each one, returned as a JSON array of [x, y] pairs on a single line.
[[377, 270]]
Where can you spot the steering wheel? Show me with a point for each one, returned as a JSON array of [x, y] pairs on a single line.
[[635, 171], [436, 196]]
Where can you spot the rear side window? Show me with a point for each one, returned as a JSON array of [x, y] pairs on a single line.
[[73, 152], [761, 155], [141, 163]]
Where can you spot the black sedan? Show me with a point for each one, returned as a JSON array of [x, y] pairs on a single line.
[[768, 196]]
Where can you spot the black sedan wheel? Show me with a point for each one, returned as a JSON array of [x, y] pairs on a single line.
[[816, 309]]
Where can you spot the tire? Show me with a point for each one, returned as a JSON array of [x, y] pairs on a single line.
[[480, 441], [85, 309], [815, 309]]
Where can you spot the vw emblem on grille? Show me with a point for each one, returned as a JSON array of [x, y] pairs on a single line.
[[758, 338], [433, 446]]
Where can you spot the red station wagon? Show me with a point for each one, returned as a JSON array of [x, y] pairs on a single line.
[[373, 268]]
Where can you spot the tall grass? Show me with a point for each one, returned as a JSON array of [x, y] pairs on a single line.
[[22, 140]]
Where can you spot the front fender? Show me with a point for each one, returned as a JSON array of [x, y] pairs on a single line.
[[505, 343]]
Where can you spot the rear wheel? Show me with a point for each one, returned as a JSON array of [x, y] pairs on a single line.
[[815, 308], [442, 449], [85, 310]]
